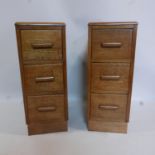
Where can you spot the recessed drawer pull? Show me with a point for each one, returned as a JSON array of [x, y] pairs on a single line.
[[108, 107], [110, 77], [41, 45], [46, 109], [45, 79], [111, 45]]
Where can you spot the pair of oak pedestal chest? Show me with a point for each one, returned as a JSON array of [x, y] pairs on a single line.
[[42, 57]]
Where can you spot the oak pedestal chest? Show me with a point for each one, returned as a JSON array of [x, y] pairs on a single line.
[[110, 73], [42, 57]]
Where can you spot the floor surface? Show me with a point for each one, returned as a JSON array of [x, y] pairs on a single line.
[[140, 139]]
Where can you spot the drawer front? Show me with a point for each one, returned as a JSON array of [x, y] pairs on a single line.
[[45, 109], [43, 79], [111, 44], [110, 77], [41, 46], [108, 107]]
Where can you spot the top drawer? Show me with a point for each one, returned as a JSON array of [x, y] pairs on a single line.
[[41, 46], [111, 44]]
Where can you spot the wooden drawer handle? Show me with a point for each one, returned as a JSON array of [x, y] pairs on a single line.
[[110, 77], [45, 79], [111, 45], [108, 107], [41, 45], [46, 109]]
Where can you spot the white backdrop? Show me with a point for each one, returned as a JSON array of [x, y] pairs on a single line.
[[76, 14]]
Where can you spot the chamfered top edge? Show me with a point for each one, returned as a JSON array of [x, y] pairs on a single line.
[[39, 23], [112, 23]]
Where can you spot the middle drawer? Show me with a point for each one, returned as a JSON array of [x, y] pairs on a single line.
[[110, 77], [43, 79]]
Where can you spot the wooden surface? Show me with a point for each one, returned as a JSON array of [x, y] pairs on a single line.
[[104, 85], [106, 41], [55, 126], [39, 24], [36, 87], [118, 127], [45, 109], [41, 46], [115, 24], [108, 107], [42, 57], [110, 74]]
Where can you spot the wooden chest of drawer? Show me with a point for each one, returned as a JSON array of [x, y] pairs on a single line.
[[46, 109], [110, 74], [111, 43], [43, 79], [110, 77], [41, 46], [42, 57]]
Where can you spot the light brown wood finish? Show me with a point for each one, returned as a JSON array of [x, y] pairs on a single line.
[[110, 73], [110, 77], [42, 57], [111, 44], [108, 107], [119, 127], [41, 46], [45, 109], [43, 79], [55, 126]]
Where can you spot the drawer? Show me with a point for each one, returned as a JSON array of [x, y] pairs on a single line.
[[108, 107], [41, 46], [110, 77], [43, 79], [111, 44], [45, 109]]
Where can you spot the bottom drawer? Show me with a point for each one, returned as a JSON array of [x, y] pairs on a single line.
[[45, 109], [108, 107]]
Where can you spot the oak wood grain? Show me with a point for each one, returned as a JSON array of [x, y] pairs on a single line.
[[110, 74], [33, 86], [110, 77], [111, 44], [117, 127], [46, 109], [108, 107], [42, 58], [41, 46], [55, 126]]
